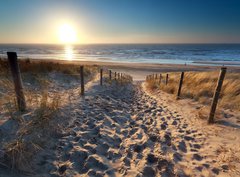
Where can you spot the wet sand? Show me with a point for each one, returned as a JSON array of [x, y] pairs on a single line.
[[140, 70]]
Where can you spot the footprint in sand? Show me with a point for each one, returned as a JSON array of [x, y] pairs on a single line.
[[182, 146], [197, 157]]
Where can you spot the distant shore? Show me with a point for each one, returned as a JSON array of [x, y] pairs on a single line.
[[140, 70], [227, 63]]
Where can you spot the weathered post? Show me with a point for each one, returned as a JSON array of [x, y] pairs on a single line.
[[160, 78], [101, 76], [166, 79], [115, 75], [180, 85], [110, 75], [216, 95], [17, 79], [118, 76], [155, 76], [121, 78], [82, 80]]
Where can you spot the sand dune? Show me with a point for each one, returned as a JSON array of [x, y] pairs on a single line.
[[126, 130]]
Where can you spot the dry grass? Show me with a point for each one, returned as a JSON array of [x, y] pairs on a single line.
[[18, 153], [125, 79], [31, 66], [44, 99], [200, 86], [35, 75], [152, 85], [229, 156], [20, 150]]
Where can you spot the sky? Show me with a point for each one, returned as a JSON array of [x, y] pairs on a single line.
[[121, 21]]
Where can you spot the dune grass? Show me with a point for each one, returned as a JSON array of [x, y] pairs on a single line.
[[35, 74], [44, 96], [200, 86]]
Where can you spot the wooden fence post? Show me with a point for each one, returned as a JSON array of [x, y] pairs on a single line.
[[101, 76], [180, 85], [160, 78], [17, 79], [110, 75], [82, 80], [216, 95], [115, 75], [166, 79], [118, 76]]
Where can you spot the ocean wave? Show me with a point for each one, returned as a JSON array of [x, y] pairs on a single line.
[[136, 53]]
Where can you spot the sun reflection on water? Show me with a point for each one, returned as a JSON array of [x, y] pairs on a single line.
[[69, 52]]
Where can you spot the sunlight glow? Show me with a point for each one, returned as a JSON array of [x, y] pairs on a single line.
[[69, 53], [67, 34]]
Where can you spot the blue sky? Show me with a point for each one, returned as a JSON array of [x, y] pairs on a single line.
[[121, 21]]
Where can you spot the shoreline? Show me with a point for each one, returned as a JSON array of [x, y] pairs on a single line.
[[140, 70], [228, 63]]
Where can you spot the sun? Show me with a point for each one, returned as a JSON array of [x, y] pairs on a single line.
[[67, 34]]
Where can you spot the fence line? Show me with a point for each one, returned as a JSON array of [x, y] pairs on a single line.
[[180, 85], [151, 78], [17, 79], [101, 76], [216, 95], [19, 92], [166, 79], [82, 80]]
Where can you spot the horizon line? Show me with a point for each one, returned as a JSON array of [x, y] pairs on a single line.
[[117, 43]]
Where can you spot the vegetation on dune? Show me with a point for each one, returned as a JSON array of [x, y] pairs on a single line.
[[48, 87], [200, 86], [31, 66], [45, 84], [35, 75]]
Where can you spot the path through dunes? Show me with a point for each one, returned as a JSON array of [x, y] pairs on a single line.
[[122, 131]]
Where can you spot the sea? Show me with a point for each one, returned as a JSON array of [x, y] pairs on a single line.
[[195, 54]]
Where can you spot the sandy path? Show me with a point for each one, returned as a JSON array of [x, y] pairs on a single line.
[[169, 143], [122, 131], [92, 144], [117, 130]]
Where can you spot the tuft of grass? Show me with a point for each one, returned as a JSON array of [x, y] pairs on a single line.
[[31, 66], [152, 85], [44, 97], [18, 154], [200, 86]]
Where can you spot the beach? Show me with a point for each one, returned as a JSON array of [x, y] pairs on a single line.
[[122, 88], [117, 129], [139, 71]]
